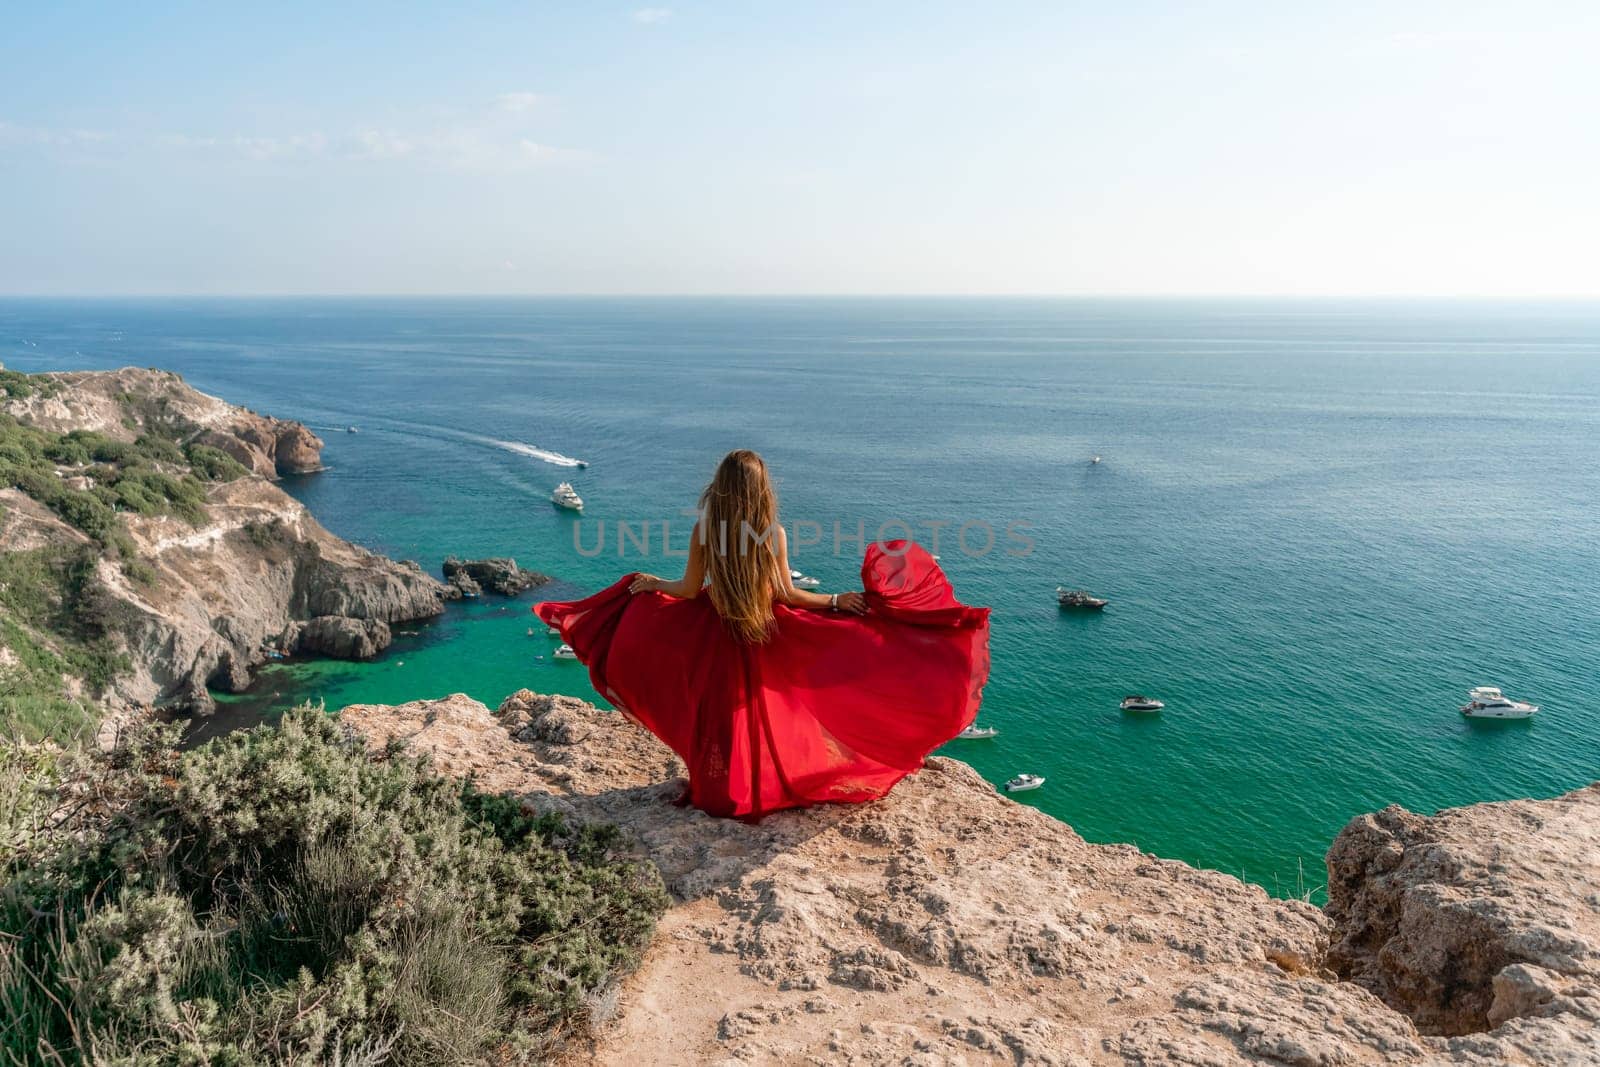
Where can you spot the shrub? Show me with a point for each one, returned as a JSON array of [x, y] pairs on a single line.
[[53, 592], [281, 896], [213, 464]]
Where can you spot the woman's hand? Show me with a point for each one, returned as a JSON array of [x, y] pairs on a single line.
[[854, 603], [644, 583]]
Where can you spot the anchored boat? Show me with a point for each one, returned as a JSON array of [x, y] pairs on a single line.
[[567, 497], [1489, 703]]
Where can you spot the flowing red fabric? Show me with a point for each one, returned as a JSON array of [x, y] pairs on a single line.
[[832, 707]]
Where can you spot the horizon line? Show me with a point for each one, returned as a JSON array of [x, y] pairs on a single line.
[[887, 295]]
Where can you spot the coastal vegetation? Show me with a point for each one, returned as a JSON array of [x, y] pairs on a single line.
[[53, 631], [283, 896]]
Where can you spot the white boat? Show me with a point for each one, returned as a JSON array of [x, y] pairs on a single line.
[[1024, 782], [977, 733], [1489, 703], [803, 581], [564, 651], [1094, 460], [567, 497], [351, 429], [554, 631], [1138, 702]]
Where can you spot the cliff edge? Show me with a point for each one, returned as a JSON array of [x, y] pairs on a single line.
[[947, 924]]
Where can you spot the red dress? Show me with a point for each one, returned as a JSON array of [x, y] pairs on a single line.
[[833, 707]]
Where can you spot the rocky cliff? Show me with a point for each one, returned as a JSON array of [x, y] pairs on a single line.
[[201, 567], [947, 924]]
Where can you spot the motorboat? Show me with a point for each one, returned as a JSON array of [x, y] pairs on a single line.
[[567, 497], [554, 631], [977, 733], [1138, 702], [565, 651], [804, 581], [583, 464], [1095, 461], [1024, 782], [1077, 598], [351, 429], [1489, 703]]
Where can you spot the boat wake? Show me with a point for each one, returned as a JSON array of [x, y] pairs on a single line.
[[554, 458]]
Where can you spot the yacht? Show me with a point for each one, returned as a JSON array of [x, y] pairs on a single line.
[[1489, 703], [1138, 702], [1077, 598], [977, 733], [567, 497], [564, 651], [1024, 782], [803, 581]]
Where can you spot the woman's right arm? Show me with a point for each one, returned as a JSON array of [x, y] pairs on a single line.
[[694, 574]]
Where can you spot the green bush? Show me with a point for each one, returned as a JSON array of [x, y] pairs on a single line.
[[53, 618], [213, 464], [125, 477], [20, 386], [280, 896]]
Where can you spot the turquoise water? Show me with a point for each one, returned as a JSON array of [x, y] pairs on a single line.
[[1319, 523]]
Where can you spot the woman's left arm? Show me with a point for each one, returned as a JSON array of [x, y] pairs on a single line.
[[694, 574]]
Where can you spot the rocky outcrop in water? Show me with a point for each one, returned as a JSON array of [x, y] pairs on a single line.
[[947, 924], [469, 577], [196, 603], [341, 637]]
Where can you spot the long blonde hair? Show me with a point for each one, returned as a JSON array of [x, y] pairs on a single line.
[[738, 526]]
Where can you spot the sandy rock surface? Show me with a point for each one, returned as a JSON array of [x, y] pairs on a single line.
[[944, 924]]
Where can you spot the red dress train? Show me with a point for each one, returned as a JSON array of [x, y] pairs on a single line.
[[833, 707]]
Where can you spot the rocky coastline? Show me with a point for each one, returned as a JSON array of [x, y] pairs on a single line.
[[189, 600]]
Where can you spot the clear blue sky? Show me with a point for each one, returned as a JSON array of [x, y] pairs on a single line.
[[874, 147]]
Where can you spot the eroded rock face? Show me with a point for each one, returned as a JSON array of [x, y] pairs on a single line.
[[943, 924], [343, 637], [1476, 917]]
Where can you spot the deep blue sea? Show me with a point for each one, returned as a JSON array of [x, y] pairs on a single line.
[[1318, 522]]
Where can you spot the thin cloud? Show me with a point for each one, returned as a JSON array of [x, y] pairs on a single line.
[[488, 144], [651, 16], [518, 102]]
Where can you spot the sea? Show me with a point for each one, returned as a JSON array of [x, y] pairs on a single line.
[[1318, 523]]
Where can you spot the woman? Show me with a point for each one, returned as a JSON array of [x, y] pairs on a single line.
[[773, 696]]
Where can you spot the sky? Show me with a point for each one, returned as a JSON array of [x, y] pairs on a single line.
[[1394, 148]]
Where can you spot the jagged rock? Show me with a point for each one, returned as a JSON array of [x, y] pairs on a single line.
[[502, 575], [460, 584], [952, 925], [342, 637], [221, 594], [1476, 916]]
